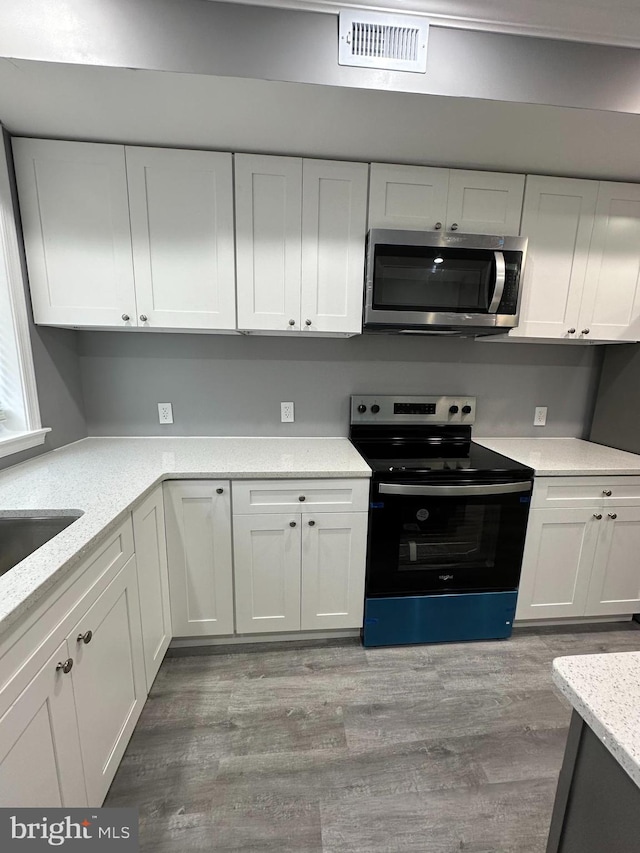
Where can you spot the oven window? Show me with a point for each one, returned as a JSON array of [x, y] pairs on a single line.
[[460, 535], [430, 279]]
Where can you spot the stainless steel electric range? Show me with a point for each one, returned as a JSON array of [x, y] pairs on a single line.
[[447, 523]]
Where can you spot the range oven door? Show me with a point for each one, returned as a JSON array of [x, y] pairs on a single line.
[[441, 538]]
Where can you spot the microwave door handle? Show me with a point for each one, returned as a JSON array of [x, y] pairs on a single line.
[[499, 288], [453, 491]]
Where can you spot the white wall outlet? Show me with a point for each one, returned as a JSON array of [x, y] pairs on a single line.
[[286, 413], [165, 413], [540, 416]]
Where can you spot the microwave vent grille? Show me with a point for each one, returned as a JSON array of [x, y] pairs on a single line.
[[377, 40]]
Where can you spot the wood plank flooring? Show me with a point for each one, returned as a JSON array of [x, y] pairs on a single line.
[[338, 749]]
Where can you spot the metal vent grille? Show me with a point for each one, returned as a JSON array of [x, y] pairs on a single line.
[[375, 40]]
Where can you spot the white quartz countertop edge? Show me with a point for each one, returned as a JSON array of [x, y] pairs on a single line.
[[565, 457], [105, 478], [605, 690]]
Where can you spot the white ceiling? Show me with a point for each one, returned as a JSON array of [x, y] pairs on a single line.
[[161, 108], [597, 21]]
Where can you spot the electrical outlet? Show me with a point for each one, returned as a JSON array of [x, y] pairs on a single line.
[[286, 413], [165, 413], [540, 416]]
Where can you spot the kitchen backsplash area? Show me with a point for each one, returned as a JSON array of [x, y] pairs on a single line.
[[233, 385]]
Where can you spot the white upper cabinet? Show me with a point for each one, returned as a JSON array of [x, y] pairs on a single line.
[[334, 222], [611, 302], [411, 197], [75, 218], [300, 235], [268, 241], [181, 206], [421, 198], [558, 220], [484, 202]]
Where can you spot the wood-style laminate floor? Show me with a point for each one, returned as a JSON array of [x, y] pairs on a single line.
[[436, 749]]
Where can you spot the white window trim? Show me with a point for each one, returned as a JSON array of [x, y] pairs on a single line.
[[35, 434]]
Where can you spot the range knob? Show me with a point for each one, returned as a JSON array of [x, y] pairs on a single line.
[[375, 408], [362, 408], [466, 410], [453, 410]]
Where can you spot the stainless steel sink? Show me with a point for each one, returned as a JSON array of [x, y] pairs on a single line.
[[22, 535]]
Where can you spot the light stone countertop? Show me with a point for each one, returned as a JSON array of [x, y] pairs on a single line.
[[565, 457], [106, 477], [605, 691]]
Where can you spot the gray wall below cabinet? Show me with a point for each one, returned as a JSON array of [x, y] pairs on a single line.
[[232, 385]]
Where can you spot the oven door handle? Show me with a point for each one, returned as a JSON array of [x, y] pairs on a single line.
[[454, 491], [501, 272]]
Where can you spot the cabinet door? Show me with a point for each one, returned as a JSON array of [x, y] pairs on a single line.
[[484, 202], [334, 222], [615, 580], [75, 219], [40, 761], [108, 679], [558, 219], [556, 567], [334, 550], [267, 572], [182, 231], [268, 241], [153, 581], [413, 197], [198, 522], [611, 303]]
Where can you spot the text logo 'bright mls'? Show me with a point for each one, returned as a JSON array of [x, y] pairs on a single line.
[[41, 829]]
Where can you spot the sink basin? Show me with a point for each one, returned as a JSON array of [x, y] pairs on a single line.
[[22, 535]]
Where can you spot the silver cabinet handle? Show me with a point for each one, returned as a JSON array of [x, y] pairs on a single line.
[[597, 515], [292, 322], [312, 523], [571, 331], [454, 226], [613, 515], [65, 666], [302, 498], [292, 524], [219, 491], [126, 317], [144, 318], [85, 638], [307, 322], [585, 331], [438, 226], [454, 491], [606, 493]]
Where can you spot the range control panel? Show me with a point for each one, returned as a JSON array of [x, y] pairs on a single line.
[[412, 410]]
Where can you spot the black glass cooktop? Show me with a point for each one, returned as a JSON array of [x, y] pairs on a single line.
[[475, 459]]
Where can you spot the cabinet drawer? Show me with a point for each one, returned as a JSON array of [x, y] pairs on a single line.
[[317, 495], [581, 491]]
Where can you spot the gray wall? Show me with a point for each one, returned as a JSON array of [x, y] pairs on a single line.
[[616, 420], [57, 368], [228, 385]]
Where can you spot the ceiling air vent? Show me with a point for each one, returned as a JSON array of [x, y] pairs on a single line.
[[377, 40]]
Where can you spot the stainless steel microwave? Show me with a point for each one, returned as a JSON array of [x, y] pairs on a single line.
[[431, 282]]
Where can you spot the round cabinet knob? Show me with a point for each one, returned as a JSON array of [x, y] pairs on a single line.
[[585, 331], [126, 317], [362, 408], [613, 515], [466, 410], [292, 524], [85, 638], [438, 226], [454, 226], [307, 322], [65, 666], [219, 491], [302, 498], [597, 515], [312, 523], [453, 410], [606, 493], [292, 322], [144, 318], [571, 331], [375, 408]]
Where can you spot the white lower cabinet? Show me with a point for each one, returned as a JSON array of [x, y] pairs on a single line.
[[198, 527], [615, 580], [40, 760]]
